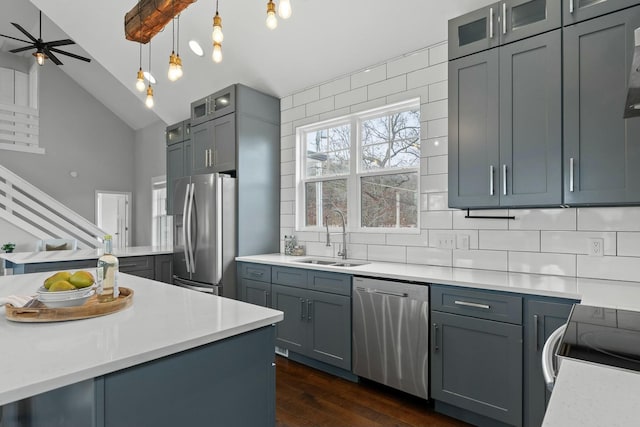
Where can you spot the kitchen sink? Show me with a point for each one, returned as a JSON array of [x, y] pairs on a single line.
[[331, 263]]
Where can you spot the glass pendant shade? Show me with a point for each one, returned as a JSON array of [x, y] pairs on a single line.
[[140, 81], [149, 101], [172, 73], [272, 21], [217, 35], [217, 53], [284, 9], [40, 57]]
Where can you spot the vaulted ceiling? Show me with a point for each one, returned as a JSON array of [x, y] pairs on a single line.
[[321, 41]]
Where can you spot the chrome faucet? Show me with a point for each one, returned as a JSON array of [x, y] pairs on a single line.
[[342, 253]]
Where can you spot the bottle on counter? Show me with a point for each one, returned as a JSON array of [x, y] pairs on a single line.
[[107, 273]]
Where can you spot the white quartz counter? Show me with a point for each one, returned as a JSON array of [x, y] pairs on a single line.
[[164, 319], [80, 254], [591, 291]]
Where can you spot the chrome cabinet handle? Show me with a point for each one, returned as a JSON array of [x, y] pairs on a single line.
[[393, 294], [504, 179], [266, 299], [435, 337], [491, 180], [301, 308], [570, 6], [535, 331], [549, 348], [490, 22], [472, 304], [571, 166], [309, 305], [256, 273], [504, 18]]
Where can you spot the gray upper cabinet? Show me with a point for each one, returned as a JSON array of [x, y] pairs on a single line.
[[501, 23], [179, 155], [505, 129], [214, 145], [601, 148], [580, 10]]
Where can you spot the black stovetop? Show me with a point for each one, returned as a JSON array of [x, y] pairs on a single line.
[[601, 335]]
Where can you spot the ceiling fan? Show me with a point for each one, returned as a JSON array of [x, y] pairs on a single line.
[[44, 49]]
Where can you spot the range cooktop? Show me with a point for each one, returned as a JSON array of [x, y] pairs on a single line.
[[607, 336]]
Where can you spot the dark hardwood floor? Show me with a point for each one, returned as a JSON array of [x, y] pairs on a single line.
[[306, 397]]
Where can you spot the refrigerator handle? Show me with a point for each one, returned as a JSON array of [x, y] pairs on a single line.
[[184, 228], [218, 210], [188, 227]]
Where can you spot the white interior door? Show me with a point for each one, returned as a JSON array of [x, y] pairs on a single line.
[[113, 215]]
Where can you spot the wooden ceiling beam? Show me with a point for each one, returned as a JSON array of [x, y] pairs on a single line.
[[148, 17]]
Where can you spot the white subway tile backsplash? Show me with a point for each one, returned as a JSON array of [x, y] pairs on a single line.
[[437, 201], [322, 106], [434, 110], [306, 121], [438, 91], [460, 222], [335, 86], [356, 251], [308, 236], [287, 208], [609, 219], [293, 114], [350, 98], [374, 103], [387, 87], [509, 240], [575, 242], [435, 146], [542, 263], [318, 249], [287, 155], [306, 96], [387, 253], [609, 267], [288, 168], [629, 244], [288, 141], [434, 183], [335, 113], [368, 238], [438, 54], [437, 128], [419, 92], [287, 181], [286, 129], [371, 75], [400, 239], [286, 103], [288, 221], [287, 194], [408, 63], [436, 220], [426, 76], [429, 256], [438, 165], [543, 219], [484, 260]]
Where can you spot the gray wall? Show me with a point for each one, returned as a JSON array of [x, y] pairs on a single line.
[[150, 161]]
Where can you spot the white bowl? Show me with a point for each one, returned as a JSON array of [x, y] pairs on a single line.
[[69, 302], [45, 295]]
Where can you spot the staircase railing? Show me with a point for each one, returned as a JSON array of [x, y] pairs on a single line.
[[29, 208]]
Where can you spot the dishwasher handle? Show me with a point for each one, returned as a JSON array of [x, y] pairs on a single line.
[[550, 346], [375, 291]]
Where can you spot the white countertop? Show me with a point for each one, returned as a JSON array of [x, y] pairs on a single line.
[[164, 319], [80, 254], [611, 293]]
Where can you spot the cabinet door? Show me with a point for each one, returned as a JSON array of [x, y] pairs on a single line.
[[202, 146], [531, 121], [474, 130], [329, 317], [187, 156], [291, 333], [580, 10], [473, 32], [175, 133], [526, 18], [541, 319], [175, 169], [163, 265], [601, 148], [223, 132], [254, 292], [476, 365]]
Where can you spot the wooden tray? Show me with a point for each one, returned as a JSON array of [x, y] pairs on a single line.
[[91, 308]]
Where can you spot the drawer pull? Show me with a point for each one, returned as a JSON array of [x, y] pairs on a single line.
[[435, 337], [472, 304], [128, 265], [257, 273]]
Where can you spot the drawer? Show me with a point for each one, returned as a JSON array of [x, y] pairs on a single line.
[[289, 276], [334, 283], [481, 304], [258, 272], [147, 274], [135, 263]]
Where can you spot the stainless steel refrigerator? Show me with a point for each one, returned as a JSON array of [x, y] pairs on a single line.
[[204, 234]]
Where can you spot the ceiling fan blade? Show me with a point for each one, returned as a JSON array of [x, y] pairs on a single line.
[[60, 42], [25, 32], [51, 56], [13, 38], [73, 55], [22, 49]]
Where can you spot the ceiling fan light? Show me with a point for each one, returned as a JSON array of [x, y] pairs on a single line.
[[40, 57], [217, 53], [149, 101], [272, 21], [217, 35], [140, 81], [284, 9]]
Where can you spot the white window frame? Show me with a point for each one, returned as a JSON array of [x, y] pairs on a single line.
[[356, 171]]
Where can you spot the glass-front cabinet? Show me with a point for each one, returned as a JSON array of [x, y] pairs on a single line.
[[579, 10]]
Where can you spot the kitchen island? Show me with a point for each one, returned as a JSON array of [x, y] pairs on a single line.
[[175, 357]]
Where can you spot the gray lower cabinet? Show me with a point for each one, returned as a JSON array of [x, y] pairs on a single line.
[[542, 317], [601, 148], [505, 128], [163, 265], [255, 283], [579, 10], [476, 355]]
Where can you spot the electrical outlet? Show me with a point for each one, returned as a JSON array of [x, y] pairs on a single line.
[[446, 241], [462, 241], [596, 246]]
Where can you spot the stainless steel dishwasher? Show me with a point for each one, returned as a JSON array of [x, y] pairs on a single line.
[[391, 333]]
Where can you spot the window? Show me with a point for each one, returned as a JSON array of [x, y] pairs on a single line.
[[367, 166], [161, 223]]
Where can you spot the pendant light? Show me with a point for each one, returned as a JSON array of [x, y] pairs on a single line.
[[272, 21], [140, 80], [179, 71], [149, 101], [217, 37], [284, 9], [172, 73]]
